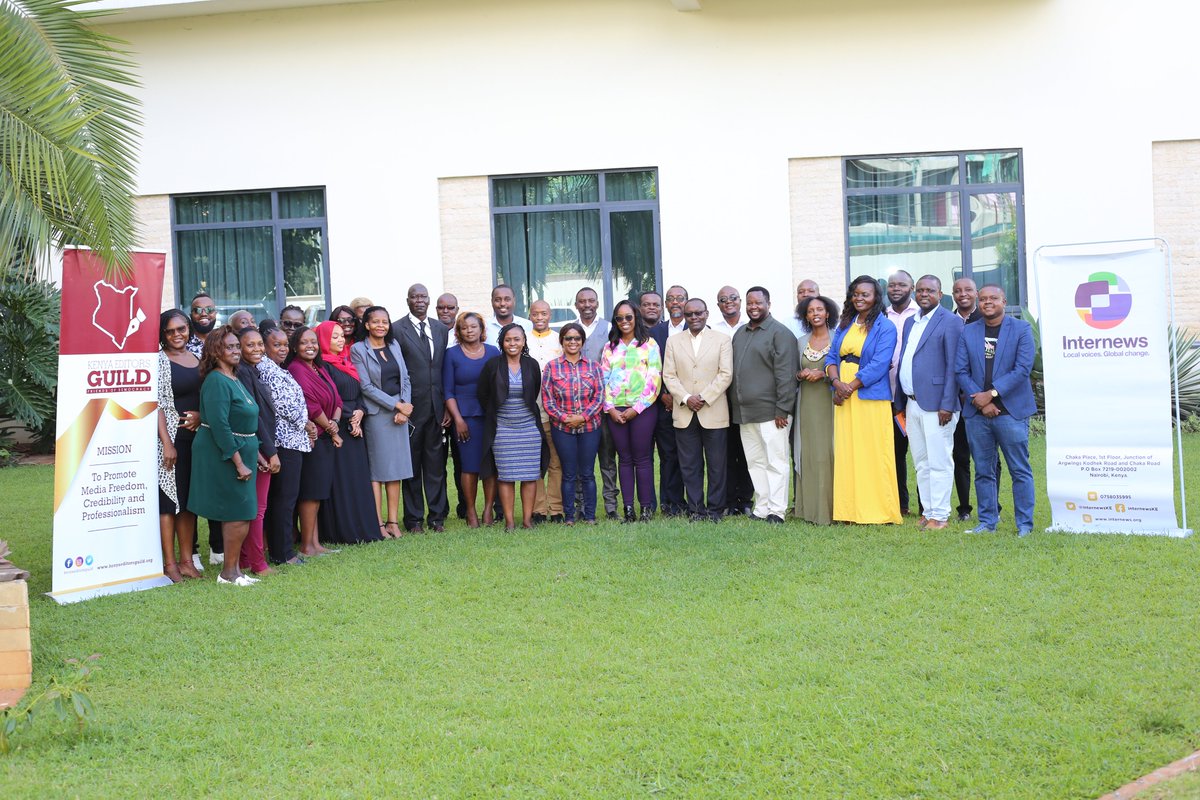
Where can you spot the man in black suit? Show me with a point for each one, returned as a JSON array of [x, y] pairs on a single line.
[[423, 343], [670, 482]]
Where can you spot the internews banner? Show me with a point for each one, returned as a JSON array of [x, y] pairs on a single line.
[[106, 537], [1106, 359]]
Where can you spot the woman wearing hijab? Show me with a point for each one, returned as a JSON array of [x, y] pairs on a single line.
[[346, 517]]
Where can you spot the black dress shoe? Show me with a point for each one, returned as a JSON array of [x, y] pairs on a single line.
[[416, 529], [556, 518], [437, 527], [538, 518], [697, 517], [774, 519], [629, 515], [647, 514], [964, 516], [612, 514], [715, 516]]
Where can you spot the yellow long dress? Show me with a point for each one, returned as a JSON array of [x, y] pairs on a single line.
[[864, 464]]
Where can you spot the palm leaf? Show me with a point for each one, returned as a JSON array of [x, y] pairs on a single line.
[[68, 135]]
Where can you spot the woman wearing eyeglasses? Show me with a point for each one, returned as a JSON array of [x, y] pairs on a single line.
[[226, 446], [350, 324], [632, 368], [573, 396]]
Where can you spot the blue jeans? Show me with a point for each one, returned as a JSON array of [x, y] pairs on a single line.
[[577, 454], [1011, 437]]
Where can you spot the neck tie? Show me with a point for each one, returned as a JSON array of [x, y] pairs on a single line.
[[425, 338]]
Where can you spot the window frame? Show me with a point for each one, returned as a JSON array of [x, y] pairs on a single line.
[[964, 190], [277, 225], [603, 205]]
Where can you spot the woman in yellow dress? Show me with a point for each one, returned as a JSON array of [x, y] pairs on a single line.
[[864, 468]]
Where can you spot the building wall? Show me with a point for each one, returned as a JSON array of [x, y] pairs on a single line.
[[744, 107], [1177, 219]]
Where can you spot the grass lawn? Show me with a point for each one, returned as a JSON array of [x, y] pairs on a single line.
[[667, 660]]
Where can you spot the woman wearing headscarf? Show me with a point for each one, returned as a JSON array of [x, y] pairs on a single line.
[[346, 517], [857, 365], [387, 400], [514, 447]]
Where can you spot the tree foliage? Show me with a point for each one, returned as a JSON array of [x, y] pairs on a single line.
[[68, 135]]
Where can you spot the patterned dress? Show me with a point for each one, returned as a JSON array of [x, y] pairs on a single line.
[[518, 445]]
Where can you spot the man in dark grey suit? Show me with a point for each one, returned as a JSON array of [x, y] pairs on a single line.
[[423, 342]]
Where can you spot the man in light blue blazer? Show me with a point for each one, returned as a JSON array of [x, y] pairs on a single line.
[[927, 393], [995, 356]]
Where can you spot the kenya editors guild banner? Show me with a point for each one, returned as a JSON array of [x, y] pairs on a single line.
[[1106, 360], [106, 536]]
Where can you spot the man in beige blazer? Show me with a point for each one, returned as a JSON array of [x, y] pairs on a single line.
[[697, 369]]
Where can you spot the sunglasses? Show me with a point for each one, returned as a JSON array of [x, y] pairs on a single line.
[[345, 320], [733, 298], [572, 339], [204, 311], [624, 318], [694, 313]]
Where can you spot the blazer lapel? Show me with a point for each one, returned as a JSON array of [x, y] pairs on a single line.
[[930, 328]]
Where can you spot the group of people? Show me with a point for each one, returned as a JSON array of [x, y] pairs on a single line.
[[288, 438]]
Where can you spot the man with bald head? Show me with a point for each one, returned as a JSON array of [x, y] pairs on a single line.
[[670, 495], [447, 312], [805, 289], [423, 344]]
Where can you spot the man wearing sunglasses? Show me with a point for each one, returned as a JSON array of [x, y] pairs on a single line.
[[203, 318]]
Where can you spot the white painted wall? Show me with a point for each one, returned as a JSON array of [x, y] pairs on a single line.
[[378, 101]]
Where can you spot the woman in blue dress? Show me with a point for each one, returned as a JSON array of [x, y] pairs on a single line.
[[460, 383], [514, 448]]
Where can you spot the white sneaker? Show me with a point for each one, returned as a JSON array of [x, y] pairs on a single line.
[[250, 579], [216, 559], [240, 580], [198, 562]]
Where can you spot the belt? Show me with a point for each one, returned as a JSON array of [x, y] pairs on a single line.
[[850, 359], [235, 433]]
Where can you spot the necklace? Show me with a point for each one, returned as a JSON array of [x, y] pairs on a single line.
[[473, 351]]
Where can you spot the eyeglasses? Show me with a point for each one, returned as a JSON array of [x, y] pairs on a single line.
[[572, 339], [345, 320], [204, 311], [624, 318], [694, 313], [177, 331], [447, 308], [733, 298], [291, 326], [677, 298]]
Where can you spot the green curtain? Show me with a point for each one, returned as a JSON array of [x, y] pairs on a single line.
[[532, 247], [236, 266]]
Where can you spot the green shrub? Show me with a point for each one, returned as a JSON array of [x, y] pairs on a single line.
[[29, 332]]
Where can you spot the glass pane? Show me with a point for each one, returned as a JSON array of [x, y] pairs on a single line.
[[631, 185], [549, 256], [995, 254], [919, 233], [993, 168], [236, 267], [302, 204], [222, 208], [877, 173], [304, 271], [542, 190], [632, 254]]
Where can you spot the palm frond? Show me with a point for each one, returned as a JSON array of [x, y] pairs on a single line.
[[68, 134]]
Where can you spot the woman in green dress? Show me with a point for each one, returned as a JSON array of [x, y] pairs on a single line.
[[222, 485], [812, 435]]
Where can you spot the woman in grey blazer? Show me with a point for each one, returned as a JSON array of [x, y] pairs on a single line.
[[387, 395]]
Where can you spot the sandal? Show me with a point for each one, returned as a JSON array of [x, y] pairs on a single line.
[[394, 525]]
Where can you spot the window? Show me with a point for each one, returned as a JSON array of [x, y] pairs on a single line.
[[952, 215], [259, 250], [552, 235]]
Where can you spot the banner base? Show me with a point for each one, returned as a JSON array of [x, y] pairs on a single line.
[[1170, 533], [135, 585]]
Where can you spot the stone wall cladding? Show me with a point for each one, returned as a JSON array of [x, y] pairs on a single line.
[[817, 218], [466, 236], [154, 233], [1177, 219]]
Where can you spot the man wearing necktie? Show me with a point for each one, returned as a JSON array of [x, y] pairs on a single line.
[[423, 343]]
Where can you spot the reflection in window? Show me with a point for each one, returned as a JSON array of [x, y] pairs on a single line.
[[256, 251], [914, 213], [547, 251]]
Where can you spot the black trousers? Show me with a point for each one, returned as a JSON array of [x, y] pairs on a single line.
[[739, 489], [428, 481], [697, 447], [670, 479], [279, 524]]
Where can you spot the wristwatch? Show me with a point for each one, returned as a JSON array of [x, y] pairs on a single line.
[[995, 393]]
